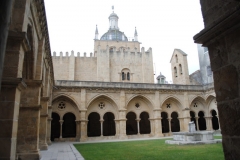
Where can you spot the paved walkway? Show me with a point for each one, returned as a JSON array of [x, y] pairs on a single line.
[[66, 150], [61, 151]]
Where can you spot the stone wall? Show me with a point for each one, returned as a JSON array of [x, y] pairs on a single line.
[[106, 66], [221, 36]]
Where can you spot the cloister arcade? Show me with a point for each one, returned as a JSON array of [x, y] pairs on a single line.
[[104, 118]]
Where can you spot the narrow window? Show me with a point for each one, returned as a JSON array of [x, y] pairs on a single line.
[[123, 76], [128, 76], [180, 68], [176, 58], [175, 71]]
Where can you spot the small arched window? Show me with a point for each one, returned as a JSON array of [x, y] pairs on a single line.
[[128, 76], [180, 69], [125, 74], [176, 58], [175, 71]]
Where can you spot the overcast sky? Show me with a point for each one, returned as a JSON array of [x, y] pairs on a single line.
[[161, 25]]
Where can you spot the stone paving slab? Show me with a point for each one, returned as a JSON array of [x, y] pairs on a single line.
[[61, 151]]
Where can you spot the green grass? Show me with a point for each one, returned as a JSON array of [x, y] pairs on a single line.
[[150, 150]]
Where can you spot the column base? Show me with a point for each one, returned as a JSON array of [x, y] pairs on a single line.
[[123, 137], [49, 142], [43, 146], [159, 135], [32, 156], [83, 139]]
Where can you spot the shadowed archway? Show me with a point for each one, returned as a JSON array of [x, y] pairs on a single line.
[[215, 123], [131, 124], [94, 125], [201, 121], [145, 127], [69, 125], [109, 128], [165, 123], [175, 125]]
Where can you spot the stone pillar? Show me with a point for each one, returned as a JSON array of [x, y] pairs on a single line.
[[83, 129], [181, 123], [9, 110], [101, 121], [185, 119], [78, 123], [49, 142], [61, 122], [169, 122], [29, 121], [209, 123], [43, 124], [157, 123], [197, 123], [222, 37], [122, 124], [152, 126], [117, 128], [138, 127]]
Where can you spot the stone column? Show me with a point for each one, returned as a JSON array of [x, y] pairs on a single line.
[[197, 123], [83, 129], [138, 127], [122, 124], [209, 123], [49, 142], [181, 123], [78, 122], [61, 122], [152, 126], [169, 122], [117, 128], [43, 124], [9, 110], [101, 121]]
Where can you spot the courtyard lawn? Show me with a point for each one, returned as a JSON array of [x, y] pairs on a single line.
[[149, 150]]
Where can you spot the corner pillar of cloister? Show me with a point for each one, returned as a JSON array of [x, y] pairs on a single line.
[[43, 124]]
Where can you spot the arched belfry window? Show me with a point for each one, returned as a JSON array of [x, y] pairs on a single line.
[[175, 71], [180, 69], [176, 58], [125, 74]]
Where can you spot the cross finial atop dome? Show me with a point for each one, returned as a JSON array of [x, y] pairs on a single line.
[[113, 8]]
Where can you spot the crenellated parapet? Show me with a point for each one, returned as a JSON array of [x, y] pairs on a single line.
[[67, 54]]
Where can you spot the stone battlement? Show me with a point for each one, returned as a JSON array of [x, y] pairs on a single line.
[[72, 54]]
